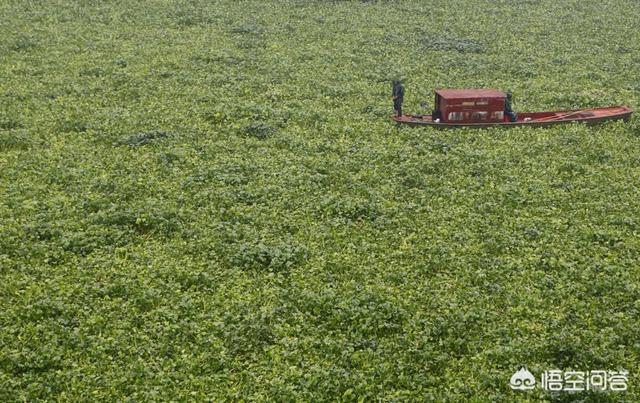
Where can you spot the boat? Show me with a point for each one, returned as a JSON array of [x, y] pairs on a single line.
[[482, 108]]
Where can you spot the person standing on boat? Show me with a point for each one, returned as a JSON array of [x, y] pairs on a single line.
[[398, 96], [508, 108]]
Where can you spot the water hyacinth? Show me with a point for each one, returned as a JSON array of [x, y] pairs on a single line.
[[208, 201]]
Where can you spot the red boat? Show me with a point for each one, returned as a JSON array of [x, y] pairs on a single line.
[[480, 108]]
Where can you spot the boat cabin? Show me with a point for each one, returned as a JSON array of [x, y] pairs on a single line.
[[470, 106]]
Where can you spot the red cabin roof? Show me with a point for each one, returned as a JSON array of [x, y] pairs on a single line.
[[470, 93]]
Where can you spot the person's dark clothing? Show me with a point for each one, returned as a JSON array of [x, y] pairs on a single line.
[[397, 105], [507, 105], [398, 91], [508, 110], [398, 97]]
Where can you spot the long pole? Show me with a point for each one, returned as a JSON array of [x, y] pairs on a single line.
[[565, 115]]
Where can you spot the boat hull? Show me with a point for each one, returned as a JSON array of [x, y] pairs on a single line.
[[534, 119]]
